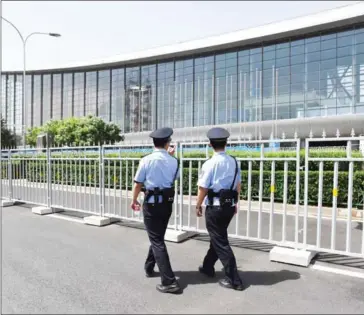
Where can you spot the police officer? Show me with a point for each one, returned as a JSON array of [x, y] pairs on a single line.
[[219, 186], [158, 171]]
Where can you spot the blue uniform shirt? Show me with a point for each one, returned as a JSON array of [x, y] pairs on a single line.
[[218, 173], [157, 170]]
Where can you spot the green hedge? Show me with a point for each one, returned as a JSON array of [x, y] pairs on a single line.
[[87, 174], [313, 166]]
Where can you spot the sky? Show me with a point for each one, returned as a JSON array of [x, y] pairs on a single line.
[[92, 30]]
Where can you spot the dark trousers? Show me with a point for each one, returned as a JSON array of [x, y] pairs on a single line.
[[156, 217], [217, 222]]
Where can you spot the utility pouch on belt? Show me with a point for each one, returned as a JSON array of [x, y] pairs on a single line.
[[168, 193], [227, 197]]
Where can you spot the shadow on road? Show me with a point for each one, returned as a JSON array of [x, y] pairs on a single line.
[[359, 226], [250, 278]]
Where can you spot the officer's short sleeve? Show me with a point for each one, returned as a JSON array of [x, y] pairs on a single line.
[[140, 175], [204, 179]]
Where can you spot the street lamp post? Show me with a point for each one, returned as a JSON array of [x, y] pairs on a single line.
[[24, 41]]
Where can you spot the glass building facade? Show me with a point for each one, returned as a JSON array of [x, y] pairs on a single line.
[[311, 76]]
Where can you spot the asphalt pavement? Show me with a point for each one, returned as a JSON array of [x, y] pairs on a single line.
[[55, 266]]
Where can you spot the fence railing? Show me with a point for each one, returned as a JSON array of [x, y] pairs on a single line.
[[291, 196]]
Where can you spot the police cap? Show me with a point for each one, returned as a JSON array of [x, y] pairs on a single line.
[[218, 134], [162, 133]]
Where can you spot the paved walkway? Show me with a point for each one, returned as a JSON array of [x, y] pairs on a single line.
[[56, 266]]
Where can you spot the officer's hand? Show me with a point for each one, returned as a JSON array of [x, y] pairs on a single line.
[[199, 212], [171, 150], [135, 205]]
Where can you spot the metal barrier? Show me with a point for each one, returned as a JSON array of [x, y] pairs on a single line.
[[5, 175], [257, 218], [297, 198], [27, 176], [335, 229]]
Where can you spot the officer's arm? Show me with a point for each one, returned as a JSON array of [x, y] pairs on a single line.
[[204, 182], [139, 179], [238, 179], [136, 191], [202, 192]]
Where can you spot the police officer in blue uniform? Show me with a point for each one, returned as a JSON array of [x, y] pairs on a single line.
[[219, 188], [157, 172]]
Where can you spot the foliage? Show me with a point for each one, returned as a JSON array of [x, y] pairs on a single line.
[[8, 138], [76, 131], [121, 176]]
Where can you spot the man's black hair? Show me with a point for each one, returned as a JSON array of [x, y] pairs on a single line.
[[160, 143], [218, 144]]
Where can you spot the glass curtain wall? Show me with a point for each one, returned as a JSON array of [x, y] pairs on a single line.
[[315, 76]]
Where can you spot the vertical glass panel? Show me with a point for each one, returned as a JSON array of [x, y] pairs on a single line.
[[182, 107], [67, 95], [19, 104], [204, 89], [79, 94], [226, 89], [91, 78], [46, 98], [3, 95], [37, 100], [118, 97], [10, 96], [166, 87], [103, 95], [28, 101], [148, 97], [245, 112], [57, 97], [132, 100]]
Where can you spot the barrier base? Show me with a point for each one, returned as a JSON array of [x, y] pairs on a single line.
[[96, 220], [177, 236], [291, 256], [41, 210], [7, 203]]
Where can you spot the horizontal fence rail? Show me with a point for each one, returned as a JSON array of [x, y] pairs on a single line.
[[307, 197]]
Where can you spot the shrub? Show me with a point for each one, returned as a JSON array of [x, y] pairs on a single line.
[[120, 175], [77, 131]]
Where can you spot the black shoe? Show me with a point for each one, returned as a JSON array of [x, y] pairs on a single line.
[[226, 284], [149, 274], [172, 288], [210, 274]]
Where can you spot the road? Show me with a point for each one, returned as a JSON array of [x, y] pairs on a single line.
[[117, 205], [55, 266]]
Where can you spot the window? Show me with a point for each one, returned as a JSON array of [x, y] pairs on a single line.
[[165, 88], [57, 97], [148, 98], [118, 97], [46, 98], [37, 100], [67, 95], [91, 84], [103, 95], [132, 100], [79, 94]]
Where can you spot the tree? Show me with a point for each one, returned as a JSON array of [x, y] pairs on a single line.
[[77, 131], [8, 138]]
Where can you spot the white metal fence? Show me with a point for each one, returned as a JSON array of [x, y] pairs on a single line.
[[291, 196]]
